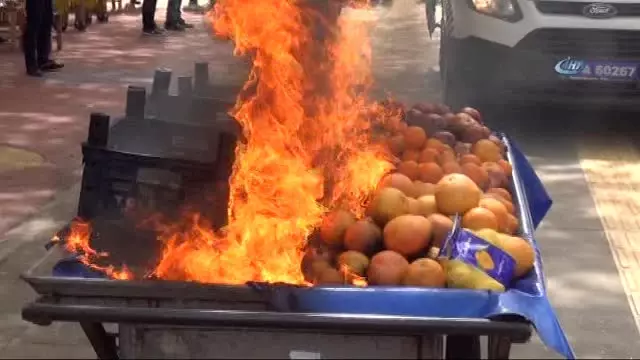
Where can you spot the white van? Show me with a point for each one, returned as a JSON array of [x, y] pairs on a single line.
[[565, 52]]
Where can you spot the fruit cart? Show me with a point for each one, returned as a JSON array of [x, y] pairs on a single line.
[[173, 319]]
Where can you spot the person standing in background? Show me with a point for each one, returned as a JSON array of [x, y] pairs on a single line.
[[193, 7], [36, 39], [174, 20], [149, 26]]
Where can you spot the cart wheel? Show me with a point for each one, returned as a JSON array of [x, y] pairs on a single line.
[[80, 25], [102, 17]]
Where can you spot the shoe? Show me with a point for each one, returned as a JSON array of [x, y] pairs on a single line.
[[34, 73], [174, 27], [153, 32], [184, 24], [51, 65]]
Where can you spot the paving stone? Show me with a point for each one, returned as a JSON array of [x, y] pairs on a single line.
[[22, 349]]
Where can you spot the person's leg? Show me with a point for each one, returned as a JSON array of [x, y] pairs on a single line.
[[33, 9], [44, 38], [181, 21], [148, 14], [173, 16]]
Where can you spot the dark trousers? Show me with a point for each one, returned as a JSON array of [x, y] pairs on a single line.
[[174, 14], [148, 14], [37, 33]]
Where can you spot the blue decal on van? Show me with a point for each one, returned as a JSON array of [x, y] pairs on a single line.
[[570, 66]]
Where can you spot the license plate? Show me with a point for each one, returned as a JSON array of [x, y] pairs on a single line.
[[578, 69]]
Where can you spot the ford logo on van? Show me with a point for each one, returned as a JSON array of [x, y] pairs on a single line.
[[599, 11], [569, 66]]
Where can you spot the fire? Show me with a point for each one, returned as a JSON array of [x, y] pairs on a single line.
[[308, 149], [77, 242]]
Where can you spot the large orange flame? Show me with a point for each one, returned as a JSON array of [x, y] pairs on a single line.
[[308, 148]]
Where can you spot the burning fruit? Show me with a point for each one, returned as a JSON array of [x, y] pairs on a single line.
[[364, 236], [353, 262], [334, 226]]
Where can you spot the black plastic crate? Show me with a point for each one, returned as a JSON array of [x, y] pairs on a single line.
[[196, 101], [158, 166]]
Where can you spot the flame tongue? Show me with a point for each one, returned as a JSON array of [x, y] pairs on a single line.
[[307, 146]]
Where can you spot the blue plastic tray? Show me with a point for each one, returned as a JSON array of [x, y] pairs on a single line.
[[527, 298]]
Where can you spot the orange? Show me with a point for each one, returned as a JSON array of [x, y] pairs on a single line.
[[506, 167], [429, 172], [422, 188], [407, 235], [451, 167], [476, 173], [396, 144], [486, 150], [521, 251], [425, 272], [410, 155], [414, 137], [470, 158], [504, 202], [446, 156], [428, 155], [512, 224], [504, 193], [479, 218], [456, 193], [409, 168], [499, 210], [433, 143]]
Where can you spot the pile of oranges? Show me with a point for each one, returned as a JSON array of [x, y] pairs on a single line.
[[447, 164]]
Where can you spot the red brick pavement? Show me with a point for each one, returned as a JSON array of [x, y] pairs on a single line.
[[49, 116]]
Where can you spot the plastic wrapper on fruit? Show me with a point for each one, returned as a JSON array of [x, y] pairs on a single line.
[[474, 261]]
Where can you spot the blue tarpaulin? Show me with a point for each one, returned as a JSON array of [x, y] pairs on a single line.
[[526, 298]]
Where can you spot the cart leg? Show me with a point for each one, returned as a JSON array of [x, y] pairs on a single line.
[[103, 344], [499, 347], [462, 347]]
